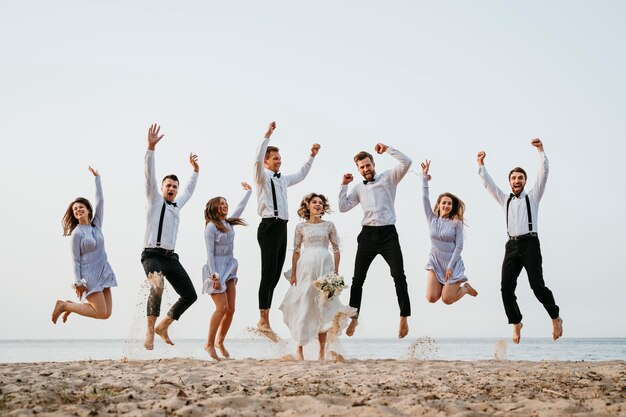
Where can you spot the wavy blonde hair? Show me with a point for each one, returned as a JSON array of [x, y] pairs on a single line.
[[458, 207], [303, 211]]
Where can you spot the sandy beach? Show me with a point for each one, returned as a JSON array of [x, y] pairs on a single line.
[[190, 387]]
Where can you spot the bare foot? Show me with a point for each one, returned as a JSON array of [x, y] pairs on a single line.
[[267, 332], [321, 357], [149, 342], [299, 355], [67, 313], [517, 332], [58, 309], [470, 290], [352, 326], [161, 330], [223, 351], [211, 351], [557, 328], [404, 327]]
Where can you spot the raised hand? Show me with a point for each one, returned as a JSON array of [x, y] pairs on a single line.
[[193, 160], [347, 179], [270, 129], [480, 158], [380, 148], [93, 171], [245, 185], [153, 136], [315, 148], [537, 144]]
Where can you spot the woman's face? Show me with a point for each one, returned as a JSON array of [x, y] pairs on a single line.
[[222, 208], [316, 206], [445, 206], [81, 212]]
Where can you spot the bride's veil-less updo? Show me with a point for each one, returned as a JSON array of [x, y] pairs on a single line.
[[303, 211]]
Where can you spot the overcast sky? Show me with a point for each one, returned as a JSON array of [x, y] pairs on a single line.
[[82, 81]]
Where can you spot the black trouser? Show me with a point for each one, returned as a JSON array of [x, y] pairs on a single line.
[[272, 238], [166, 262], [524, 253], [379, 240]]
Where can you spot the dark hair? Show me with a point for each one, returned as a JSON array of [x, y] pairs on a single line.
[[170, 177], [69, 221], [211, 216], [362, 155], [269, 150], [520, 170], [458, 207], [304, 212]]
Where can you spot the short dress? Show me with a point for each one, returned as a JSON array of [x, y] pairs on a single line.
[[446, 238], [91, 266], [219, 248]]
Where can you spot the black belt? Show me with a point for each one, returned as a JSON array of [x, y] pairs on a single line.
[[273, 219], [522, 237], [162, 251]]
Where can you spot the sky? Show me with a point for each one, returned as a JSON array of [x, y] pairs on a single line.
[[441, 80]]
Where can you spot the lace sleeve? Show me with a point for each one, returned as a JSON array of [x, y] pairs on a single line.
[[297, 240], [332, 235]]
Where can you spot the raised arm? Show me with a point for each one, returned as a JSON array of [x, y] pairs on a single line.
[[98, 216], [347, 201], [425, 197], [542, 174], [244, 201], [154, 137], [491, 186], [399, 171], [186, 194], [293, 179], [259, 174]]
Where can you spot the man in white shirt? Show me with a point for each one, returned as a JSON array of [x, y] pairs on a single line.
[[158, 257], [376, 194], [271, 191], [522, 249]]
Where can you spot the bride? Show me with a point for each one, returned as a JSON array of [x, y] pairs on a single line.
[[305, 312]]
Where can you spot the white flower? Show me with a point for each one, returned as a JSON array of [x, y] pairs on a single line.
[[329, 285]]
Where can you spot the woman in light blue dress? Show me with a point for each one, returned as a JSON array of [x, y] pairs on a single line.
[[93, 276], [219, 274], [445, 269]]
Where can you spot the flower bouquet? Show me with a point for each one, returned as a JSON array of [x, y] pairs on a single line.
[[329, 285]]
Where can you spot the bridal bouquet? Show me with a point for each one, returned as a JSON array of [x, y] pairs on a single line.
[[329, 285]]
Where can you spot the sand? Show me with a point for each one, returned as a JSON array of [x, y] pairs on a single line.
[[191, 387]]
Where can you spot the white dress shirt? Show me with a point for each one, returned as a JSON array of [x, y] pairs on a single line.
[[518, 212], [171, 218], [263, 178], [377, 197]]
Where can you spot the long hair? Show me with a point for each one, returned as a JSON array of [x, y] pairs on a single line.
[[304, 212], [211, 216], [70, 222], [458, 207]]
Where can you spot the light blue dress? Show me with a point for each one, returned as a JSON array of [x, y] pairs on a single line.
[[91, 267], [219, 249], [446, 238]]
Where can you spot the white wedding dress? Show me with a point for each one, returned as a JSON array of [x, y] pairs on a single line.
[[305, 312]]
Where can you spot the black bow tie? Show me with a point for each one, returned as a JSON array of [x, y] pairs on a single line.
[[366, 181], [171, 203], [277, 174], [513, 195]]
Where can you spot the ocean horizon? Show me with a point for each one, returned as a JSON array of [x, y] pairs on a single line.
[[423, 348]]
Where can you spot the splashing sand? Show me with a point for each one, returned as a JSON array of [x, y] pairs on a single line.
[[424, 348], [500, 350]]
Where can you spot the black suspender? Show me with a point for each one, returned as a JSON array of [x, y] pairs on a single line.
[[274, 198], [530, 216], [158, 241]]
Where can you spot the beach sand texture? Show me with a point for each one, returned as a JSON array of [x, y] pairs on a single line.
[[190, 387]]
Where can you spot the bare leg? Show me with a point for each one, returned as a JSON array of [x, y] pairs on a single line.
[[404, 327], [231, 295], [517, 332], [162, 328], [264, 320], [321, 337], [352, 326], [470, 290], [95, 307], [433, 287], [557, 328], [221, 306], [453, 292], [149, 342], [299, 354], [66, 314]]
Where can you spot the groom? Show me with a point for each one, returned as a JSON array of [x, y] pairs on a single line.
[[376, 194]]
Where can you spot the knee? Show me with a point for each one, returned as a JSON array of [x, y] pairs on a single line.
[[230, 310], [446, 299], [432, 298], [191, 297], [222, 310], [102, 315]]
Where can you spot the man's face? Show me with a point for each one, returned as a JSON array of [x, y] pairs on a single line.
[[366, 168], [517, 181], [273, 161], [169, 188]]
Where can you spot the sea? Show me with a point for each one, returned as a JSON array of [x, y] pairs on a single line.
[[423, 348]]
